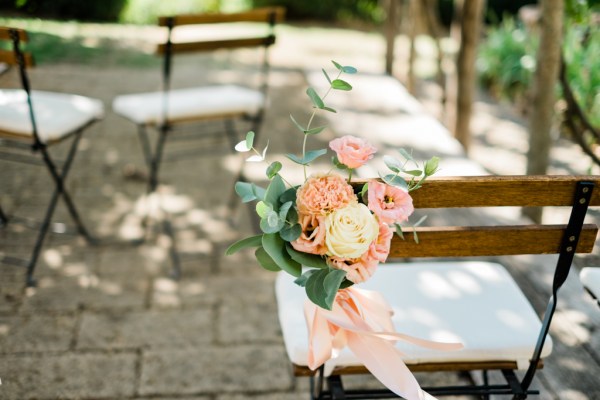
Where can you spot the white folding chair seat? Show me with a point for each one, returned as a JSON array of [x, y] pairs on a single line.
[[475, 303], [590, 278], [57, 114], [189, 104]]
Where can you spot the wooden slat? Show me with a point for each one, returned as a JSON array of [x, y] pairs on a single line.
[[5, 34], [257, 15], [217, 44], [301, 370], [492, 191], [465, 241], [8, 57]]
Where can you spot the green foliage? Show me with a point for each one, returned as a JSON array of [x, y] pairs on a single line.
[[148, 11], [329, 10], [91, 10], [506, 62]]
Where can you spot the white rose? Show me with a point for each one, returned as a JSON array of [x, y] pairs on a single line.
[[350, 231]]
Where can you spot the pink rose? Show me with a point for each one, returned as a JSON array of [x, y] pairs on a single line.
[[312, 238], [389, 203], [351, 151], [380, 248], [357, 270], [321, 195]]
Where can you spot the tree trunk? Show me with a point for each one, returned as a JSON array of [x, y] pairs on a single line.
[[472, 16], [391, 30], [544, 84]]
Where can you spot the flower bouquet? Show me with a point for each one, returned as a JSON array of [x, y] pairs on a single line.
[[331, 233]]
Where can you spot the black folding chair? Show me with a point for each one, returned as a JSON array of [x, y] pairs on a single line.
[[475, 302], [170, 108], [30, 122]]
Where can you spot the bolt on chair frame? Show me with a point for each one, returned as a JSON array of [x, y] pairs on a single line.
[[58, 172], [578, 192]]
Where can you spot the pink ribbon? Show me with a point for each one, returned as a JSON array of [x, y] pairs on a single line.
[[361, 320]]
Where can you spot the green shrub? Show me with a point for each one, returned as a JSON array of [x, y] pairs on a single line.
[[91, 10], [328, 10]]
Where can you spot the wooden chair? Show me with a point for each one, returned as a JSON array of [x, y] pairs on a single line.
[[590, 278], [169, 108], [31, 121], [475, 302]]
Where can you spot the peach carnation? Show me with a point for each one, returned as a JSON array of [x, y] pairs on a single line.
[[389, 203], [352, 151], [323, 194], [357, 270], [312, 238]]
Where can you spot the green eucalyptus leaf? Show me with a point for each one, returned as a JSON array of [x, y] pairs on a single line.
[[405, 154], [262, 209], [274, 191], [251, 241], [421, 220], [431, 166], [265, 260], [249, 191], [250, 139], [339, 84], [414, 172], [392, 163], [273, 169], [315, 98], [364, 193], [283, 210], [309, 260], [329, 109], [315, 131], [289, 195], [315, 290], [326, 75], [300, 127], [338, 66], [331, 284], [346, 284], [301, 281], [395, 180], [242, 147], [308, 157], [399, 231], [289, 233], [415, 236], [274, 245], [349, 69], [292, 216]]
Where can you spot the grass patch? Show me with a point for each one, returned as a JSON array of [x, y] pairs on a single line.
[[53, 42]]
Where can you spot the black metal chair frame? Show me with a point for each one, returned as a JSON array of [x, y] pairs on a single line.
[[153, 154], [57, 170], [519, 389]]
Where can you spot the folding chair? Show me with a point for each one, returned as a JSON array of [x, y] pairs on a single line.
[[30, 122], [475, 302], [590, 278], [169, 108]]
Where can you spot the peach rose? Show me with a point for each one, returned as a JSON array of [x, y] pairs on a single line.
[[357, 270], [322, 194], [389, 203], [351, 151], [380, 248], [312, 238]]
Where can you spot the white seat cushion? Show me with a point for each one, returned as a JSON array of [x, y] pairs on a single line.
[[590, 277], [186, 104], [57, 114], [476, 303]]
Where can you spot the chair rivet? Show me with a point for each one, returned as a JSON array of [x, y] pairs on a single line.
[[581, 201], [572, 239], [585, 190], [569, 249]]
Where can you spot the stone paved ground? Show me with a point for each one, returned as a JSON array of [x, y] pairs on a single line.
[[107, 321]]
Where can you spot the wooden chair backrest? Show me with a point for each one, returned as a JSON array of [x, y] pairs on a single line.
[[15, 36], [268, 15], [496, 191]]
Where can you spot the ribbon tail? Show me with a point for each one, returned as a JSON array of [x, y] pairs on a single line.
[[320, 340], [383, 360]]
